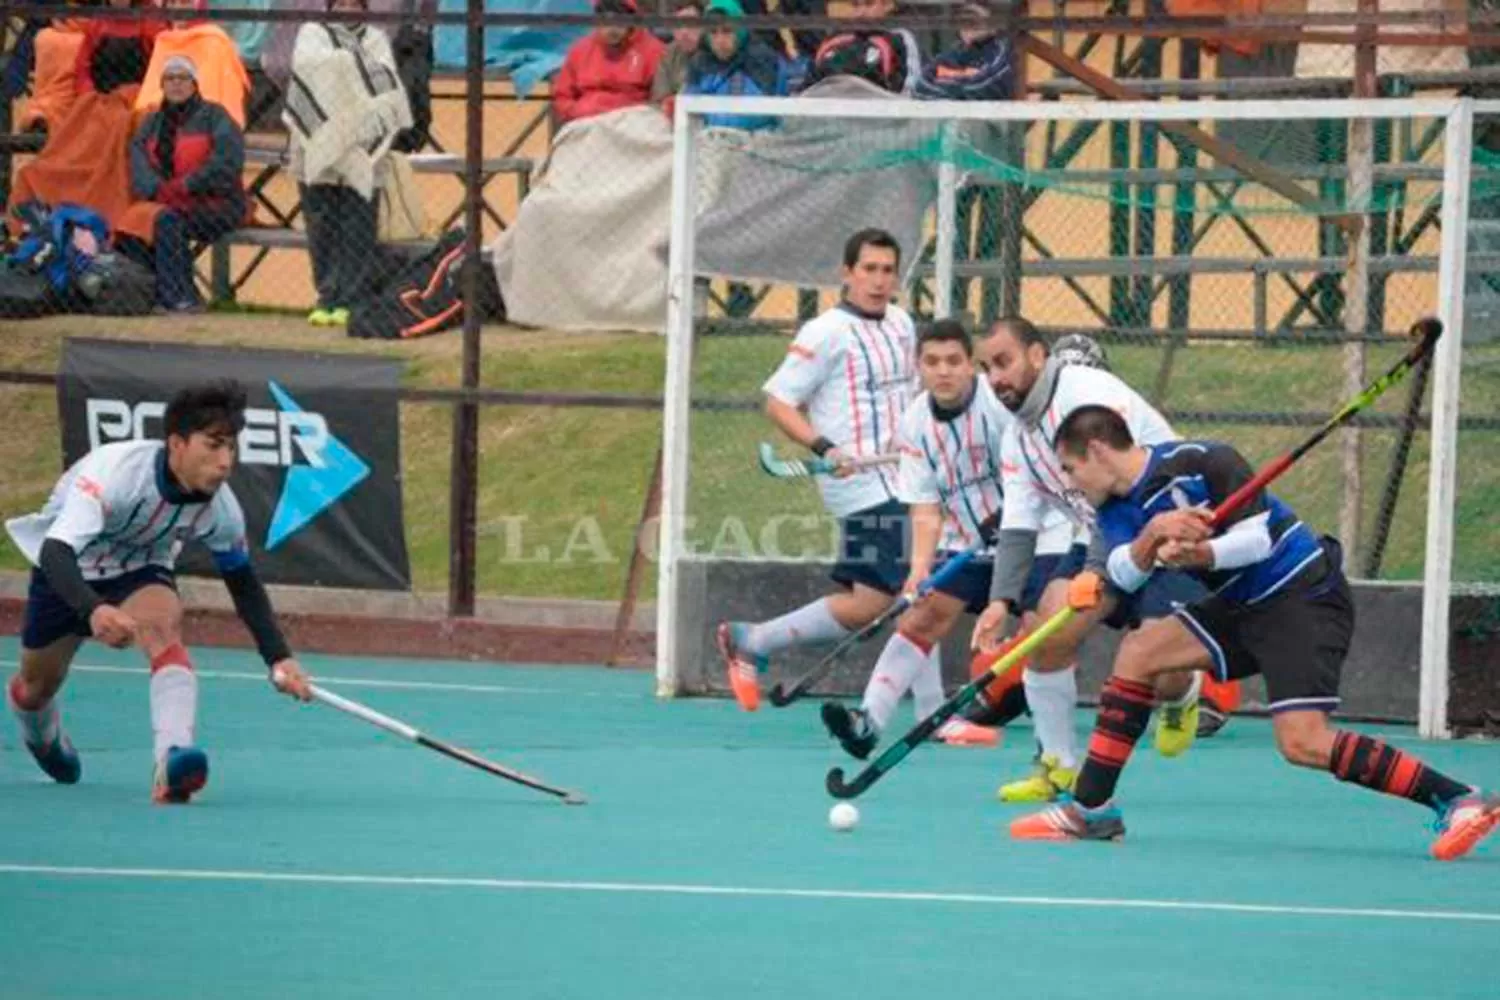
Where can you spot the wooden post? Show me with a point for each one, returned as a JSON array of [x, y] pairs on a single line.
[[650, 510]]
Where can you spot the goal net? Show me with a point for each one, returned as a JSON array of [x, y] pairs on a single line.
[[1247, 266]]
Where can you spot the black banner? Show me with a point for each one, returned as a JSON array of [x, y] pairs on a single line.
[[319, 470]]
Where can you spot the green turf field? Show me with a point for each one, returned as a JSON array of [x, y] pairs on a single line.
[[329, 860]]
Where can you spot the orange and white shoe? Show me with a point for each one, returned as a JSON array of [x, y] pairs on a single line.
[[963, 733], [1071, 821], [1464, 823], [744, 671]]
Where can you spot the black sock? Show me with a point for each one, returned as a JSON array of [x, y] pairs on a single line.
[[1375, 765], [1124, 710]]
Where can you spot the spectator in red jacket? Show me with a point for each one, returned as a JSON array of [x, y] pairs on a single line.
[[187, 157], [609, 69]]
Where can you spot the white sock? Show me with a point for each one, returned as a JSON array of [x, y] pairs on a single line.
[[899, 664], [174, 706], [927, 686], [1052, 698], [40, 726], [810, 623]]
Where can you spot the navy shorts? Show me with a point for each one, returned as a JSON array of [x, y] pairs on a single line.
[[1163, 594], [50, 618], [971, 585], [1045, 569], [873, 548]]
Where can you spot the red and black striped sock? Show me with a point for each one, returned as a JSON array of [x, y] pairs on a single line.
[[1124, 710], [1375, 765]]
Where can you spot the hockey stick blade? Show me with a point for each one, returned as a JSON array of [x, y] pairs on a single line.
[[782, 696], [1084, 592], [407, 732]]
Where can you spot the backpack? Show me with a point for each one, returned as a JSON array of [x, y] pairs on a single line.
[[425, 296]]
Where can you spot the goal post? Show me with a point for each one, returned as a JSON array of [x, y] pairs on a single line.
[[1220, 291]]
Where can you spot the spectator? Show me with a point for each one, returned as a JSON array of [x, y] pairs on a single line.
[[187, 157], [732, 63], [671, 72], [222, 79], [793, 46], [978, 69], [121, 49], [344, 110], [889, 59], [609, 69]]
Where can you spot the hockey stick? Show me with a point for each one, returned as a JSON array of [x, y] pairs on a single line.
[[797, 468], [406, 732], [1429, 330], [783, 696], [1084, 592]]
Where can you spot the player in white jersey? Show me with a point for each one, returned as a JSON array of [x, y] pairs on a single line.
[[1041, 391], [103, 549], [950, 476], [840, 392]]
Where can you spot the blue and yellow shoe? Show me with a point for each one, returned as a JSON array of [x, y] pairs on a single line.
[[744, 669], [1071, 821], [59, 760], [1048, 782], [852, 728], [180, 776], [1177, 725]]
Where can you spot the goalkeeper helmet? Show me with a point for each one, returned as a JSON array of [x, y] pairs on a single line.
[[1078, 349]]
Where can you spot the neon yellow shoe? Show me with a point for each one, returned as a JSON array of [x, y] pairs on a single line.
[[1177, 725], [1048, 781]]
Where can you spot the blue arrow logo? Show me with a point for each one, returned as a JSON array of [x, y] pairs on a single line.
[[309, 489]]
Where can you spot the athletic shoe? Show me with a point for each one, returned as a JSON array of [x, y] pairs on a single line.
[[1210, 719], [851, 727], [963, 733], [1464, 823], [744, 671], [338, 317], [1071, 821], [1177, 725], [1048, 782], [59, 761], [181, 776]]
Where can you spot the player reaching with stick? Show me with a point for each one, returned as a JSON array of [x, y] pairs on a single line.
[[1041, 391], [1278, 605], [840, 392], [104, 546], [950, 459]]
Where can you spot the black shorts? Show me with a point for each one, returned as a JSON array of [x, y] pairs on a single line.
[[971, 585], [874, 549], [50, 618], [1296, 639]]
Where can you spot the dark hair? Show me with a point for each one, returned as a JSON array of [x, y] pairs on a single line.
[[1024, 330], [946, 331], [1093, 423], [870, 238], [218, 405]]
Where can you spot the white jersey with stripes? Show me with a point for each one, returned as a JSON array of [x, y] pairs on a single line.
[[119, 511], [954, 461], [1033, 481], [854, 374]]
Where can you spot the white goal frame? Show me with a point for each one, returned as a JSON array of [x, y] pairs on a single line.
[[1458, 115]]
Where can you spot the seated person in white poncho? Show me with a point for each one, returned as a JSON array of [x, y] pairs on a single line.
[[344, 106]]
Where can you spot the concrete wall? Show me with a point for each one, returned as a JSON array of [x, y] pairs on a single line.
[[1379, 681]]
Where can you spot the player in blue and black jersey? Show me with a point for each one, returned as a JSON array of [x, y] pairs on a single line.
[[1278, 606]]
